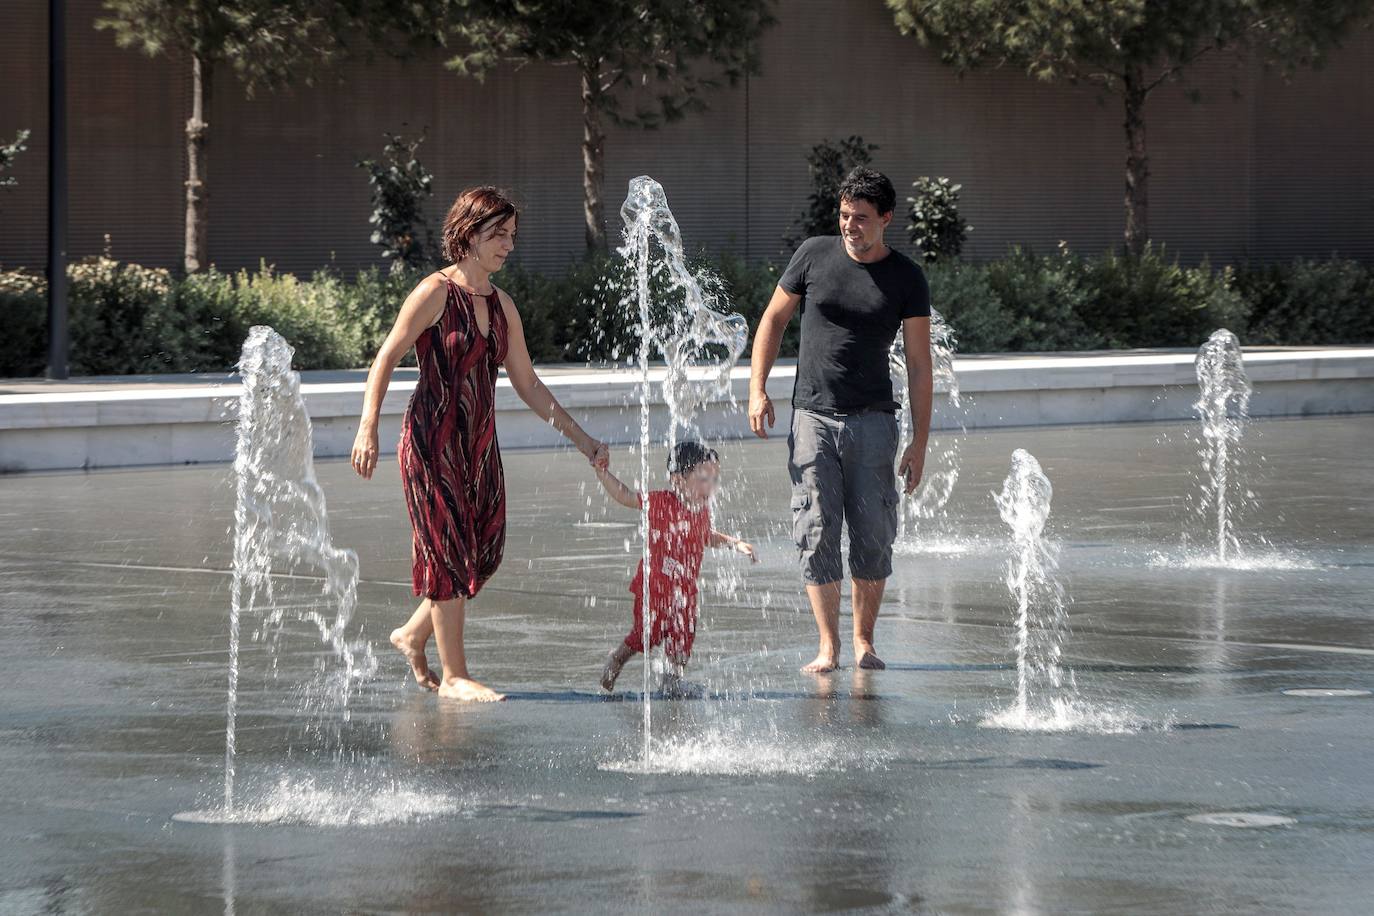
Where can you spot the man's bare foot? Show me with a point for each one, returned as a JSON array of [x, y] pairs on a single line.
[[614, 662], [468, 690], [415, 654], [823, 663], [869, 661]]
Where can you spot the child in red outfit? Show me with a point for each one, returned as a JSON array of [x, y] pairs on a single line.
[[679, 532]]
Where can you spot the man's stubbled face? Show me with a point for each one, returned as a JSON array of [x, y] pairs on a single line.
[[861, 226]]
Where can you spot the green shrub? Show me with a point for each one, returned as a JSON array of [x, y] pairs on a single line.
[[400, 186], [308, 313], [1309, 302], [961, 292], [935, 226], [586, 313], [372, 302], [208, 305], [1147, 300], [1044, 298], [130, 319], [117, 313], [570, 316], [748, 286], [23, 323]]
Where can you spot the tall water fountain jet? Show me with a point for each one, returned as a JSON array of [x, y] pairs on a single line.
[[699, 340], [1043, 687], [1223, 405], [929, 502], [1046, 692], [280, 524]]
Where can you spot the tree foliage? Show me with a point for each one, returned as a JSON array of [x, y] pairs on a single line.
[[267, 43], [1127, 48], [263, 43], [639, 63], [1103, 43], [10, 152], [655, 58]]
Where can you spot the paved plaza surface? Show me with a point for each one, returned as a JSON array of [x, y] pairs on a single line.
[[1202, 786]]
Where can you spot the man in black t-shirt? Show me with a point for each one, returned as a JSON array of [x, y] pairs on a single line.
[[854, 294]]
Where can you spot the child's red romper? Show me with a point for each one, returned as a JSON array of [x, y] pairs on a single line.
[[677, 540]]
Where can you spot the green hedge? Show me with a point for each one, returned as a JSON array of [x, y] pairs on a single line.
[[1309, 302], [1028, 302], [131, 319]]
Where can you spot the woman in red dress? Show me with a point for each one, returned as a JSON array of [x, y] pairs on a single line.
[[463, 328]]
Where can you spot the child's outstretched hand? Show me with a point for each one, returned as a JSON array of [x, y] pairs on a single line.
[[747, 549]]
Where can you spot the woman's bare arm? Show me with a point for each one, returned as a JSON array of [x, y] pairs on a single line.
[[421, 309], [540, 399]]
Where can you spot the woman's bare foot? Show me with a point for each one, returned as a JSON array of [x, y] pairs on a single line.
[[415, 655], [468, 690], [823, 663]]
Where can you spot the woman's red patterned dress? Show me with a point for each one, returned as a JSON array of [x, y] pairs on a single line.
[[450, 460]]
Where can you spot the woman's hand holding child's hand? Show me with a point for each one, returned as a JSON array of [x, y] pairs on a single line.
[[600, 457]]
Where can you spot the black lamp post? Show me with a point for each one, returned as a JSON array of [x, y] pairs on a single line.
[[58, 344]]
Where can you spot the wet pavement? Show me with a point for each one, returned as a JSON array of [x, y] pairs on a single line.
[[1202, 786]]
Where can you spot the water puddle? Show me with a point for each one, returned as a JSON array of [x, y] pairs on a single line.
[[1241, 819], [1325, 692]]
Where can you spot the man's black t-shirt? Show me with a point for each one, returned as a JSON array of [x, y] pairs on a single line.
[[851, 312]]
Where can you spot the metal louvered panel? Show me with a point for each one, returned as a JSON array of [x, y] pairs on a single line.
[[1279, 171]]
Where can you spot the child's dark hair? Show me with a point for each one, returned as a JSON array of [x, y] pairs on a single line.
[[687, 456], [864, 183]]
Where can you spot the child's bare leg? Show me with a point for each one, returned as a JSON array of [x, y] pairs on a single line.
[[410, 638], [448, 617], [618, 657], [677, 663], [671, 682]]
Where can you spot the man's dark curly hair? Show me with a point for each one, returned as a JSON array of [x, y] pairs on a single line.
[[871, 185]]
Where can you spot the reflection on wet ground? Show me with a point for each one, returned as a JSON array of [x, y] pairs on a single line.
[[1243, 785]]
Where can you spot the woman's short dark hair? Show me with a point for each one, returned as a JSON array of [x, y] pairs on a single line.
[[871, 185], [689, 455], [471, 213]]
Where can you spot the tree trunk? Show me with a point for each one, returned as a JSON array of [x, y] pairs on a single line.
[[1137, 165], [197, 197], [593, 158]]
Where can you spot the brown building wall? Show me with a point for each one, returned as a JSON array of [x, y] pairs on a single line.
[[1280, 170]]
